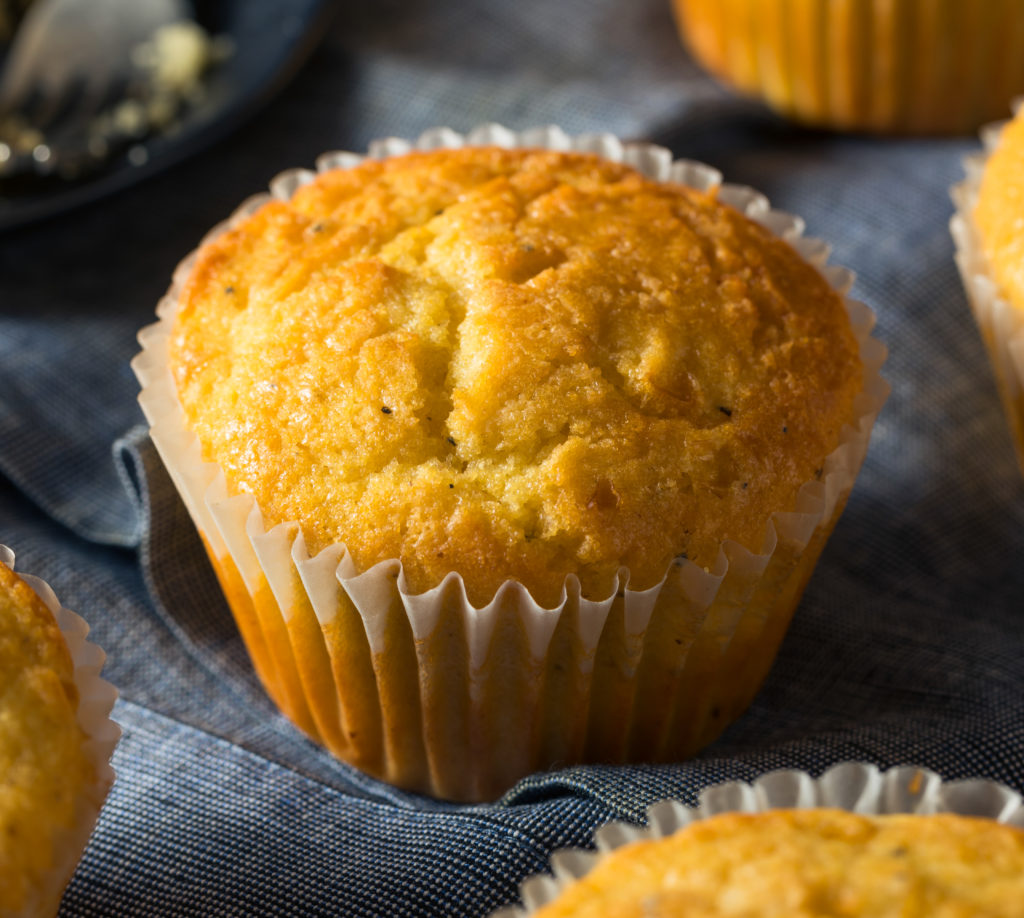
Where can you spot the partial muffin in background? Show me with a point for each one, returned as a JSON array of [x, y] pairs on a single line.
[[510, 458], [56, 740], [988, 229], [890, 66]]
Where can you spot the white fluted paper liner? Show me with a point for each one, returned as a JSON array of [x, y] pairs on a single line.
[[1000, 324], [96, 699], [432, 694], [857, 787]]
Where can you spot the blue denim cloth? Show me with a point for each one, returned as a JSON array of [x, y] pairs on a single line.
[[907, 647]]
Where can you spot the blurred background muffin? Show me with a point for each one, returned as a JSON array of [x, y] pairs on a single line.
[[900, 66]]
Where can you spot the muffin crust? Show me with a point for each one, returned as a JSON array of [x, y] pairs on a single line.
[[513, 364], [809, 863], [43, 763]]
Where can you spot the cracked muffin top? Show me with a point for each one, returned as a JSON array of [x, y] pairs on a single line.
[[809, 863], [44, 768], [513, 364]]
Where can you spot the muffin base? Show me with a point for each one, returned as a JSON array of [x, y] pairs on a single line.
[[433, 695]]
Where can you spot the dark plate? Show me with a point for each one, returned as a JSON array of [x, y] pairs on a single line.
[[272, 38]]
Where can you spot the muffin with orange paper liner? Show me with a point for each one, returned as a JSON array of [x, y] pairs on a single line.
[[510, 450], [892, 66]]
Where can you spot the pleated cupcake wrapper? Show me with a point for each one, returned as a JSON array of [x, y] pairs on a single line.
[[877, 65], [857, 787], [96, 699], [432, 694], [1001, 325]]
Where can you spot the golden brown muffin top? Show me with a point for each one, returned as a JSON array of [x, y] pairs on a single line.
[[44, 768], [514, 364], [809, 864], [1000, 211]]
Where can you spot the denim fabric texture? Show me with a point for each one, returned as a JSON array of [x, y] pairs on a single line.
[[906, 649]]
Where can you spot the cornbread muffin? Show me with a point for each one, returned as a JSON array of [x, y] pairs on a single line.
[[513, 364], [990, 254], [45, 765], [509, 456], [900, 66], [813, 862]]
